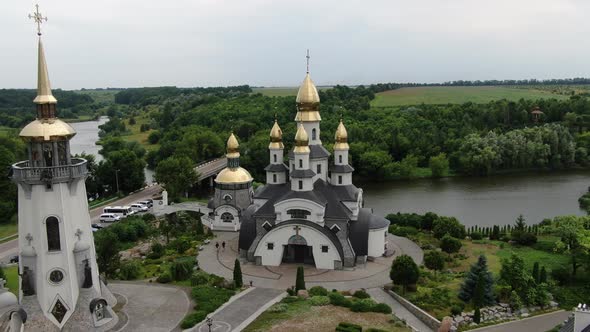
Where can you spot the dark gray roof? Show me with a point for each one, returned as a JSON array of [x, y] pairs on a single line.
[[334, 207], [272, 190], [276, 168], [346, 193], [568, 326], [302, 173], [359, 233], [374, 221], [315, 152], [247, 228], [341, 168], [311, 195]]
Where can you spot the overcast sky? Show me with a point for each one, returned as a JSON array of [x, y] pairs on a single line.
[[131, 43]]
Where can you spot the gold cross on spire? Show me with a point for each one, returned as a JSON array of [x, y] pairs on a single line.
[[38, 18], [308, 60]]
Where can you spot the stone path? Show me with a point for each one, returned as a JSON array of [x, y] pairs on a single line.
[[373, 274], [241, 310], [534, 324], [399, 310], [151, 307]]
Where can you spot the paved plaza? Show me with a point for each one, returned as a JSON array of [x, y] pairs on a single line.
[[370, 275]]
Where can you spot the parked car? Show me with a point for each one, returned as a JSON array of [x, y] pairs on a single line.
[[97, 226], [149, 203], [109, 217], [138, 207]]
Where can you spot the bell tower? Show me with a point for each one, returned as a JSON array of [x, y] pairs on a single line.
[[58, 271]]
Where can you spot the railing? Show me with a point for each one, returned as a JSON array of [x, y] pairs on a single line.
[[22, 172]]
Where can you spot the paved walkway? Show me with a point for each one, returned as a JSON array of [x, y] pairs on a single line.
[[534, 324], [373, 274], [151, 307], [399, 310], [241, 310]]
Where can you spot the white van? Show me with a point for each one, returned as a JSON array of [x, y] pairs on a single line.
[[121, 211], [138, 207], [109, 217]]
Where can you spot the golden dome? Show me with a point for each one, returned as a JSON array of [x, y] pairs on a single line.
[[233, 147], [341, 137], [307, 94], [276, 137], [301, 139], [46, 129], [233, 175]]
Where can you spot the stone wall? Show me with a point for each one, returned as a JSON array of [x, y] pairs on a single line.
[[425, 317], [497, 314]]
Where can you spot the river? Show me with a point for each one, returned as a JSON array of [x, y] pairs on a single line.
[[483, 201]]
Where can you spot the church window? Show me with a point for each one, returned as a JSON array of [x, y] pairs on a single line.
[[324, 248], [267, 226], [274, 158], [313, 134], [340, 158], [339, 179], [227, 198], [319, 168], [274, 178], [270, 246], [300, 185], [52, 227], [300, 163], [227, 217], [292, 166], [298, 214]]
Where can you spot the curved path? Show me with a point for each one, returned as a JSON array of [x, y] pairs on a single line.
[[372, 274]]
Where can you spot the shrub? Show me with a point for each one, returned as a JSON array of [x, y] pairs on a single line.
[[154, 137], [130, 270], [279, 307], [382, 308], [181, 269], [180, 245], [210, 298], [372, 329], [561, 275], [348, 327], [319, 300], [476, 236], [338, 299], [364, 305], [290, 299], [477, 316], [193, 319], [291, 291], [157, 251], [165, 277], [318, 291], [216, 281], [404, 271], [515, 301], [448, 225], [450, 244], [361, 294], [199, 278], [434, 260], [403, 231], [456, 310], [148, 217]]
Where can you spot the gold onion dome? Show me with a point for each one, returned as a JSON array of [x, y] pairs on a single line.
[[341, 137], [233, 147], [233, 175], [301, 139], [276, 137], [308, 101]]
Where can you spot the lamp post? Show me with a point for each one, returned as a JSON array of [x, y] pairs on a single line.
[[117, 180], [209, 323]]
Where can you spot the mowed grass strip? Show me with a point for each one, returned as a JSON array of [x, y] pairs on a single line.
[[457, 95]]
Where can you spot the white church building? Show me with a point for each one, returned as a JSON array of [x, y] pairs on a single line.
[[309, 211]]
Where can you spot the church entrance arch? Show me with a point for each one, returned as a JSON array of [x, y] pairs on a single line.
[[297, 251]]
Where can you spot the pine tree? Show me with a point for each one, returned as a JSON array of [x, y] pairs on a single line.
[[478, 274], [199, 230], [543, 275], [238, 274], [300, 280], [536, 272], [495, 233], [477, 316]]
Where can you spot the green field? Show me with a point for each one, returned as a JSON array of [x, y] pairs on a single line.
[[458, 95], [100, 96]]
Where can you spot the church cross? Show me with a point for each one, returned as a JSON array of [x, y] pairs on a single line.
[[297, 229], [308, 60], [78, 234], [38, 18], [29, 238]]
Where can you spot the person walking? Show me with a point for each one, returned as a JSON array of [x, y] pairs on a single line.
[[223, 246], [217, 246]]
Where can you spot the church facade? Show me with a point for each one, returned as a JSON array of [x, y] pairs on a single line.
[[309, 211]]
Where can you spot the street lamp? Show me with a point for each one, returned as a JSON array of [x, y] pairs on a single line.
[[209, 323], [117, 179]]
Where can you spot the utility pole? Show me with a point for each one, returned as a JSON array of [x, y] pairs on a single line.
[[117, 179]]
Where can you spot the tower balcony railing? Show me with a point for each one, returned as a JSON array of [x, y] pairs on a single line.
[[24, 172]]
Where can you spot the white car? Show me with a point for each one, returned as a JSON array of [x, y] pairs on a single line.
[[138, 207], [146, 203], [109, 217]]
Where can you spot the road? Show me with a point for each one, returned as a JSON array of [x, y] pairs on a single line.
[[534, 324], [10, 248]]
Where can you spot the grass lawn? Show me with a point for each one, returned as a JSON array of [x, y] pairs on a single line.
[[8, 229], [457, 95], [138, 136], [12, 278], [302, 317]]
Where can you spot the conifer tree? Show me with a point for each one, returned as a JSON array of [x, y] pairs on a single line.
[[536, 272], [477, 316], [543, 275], [478, 274], [300, 280], [238, 274]]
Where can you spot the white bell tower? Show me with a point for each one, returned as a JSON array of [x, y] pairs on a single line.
[[58, 271]]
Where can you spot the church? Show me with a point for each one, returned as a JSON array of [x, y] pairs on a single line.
[[309, 211]]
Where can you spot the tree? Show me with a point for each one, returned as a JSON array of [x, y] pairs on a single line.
[[177, 174], [448, 225], [543, 275], [514, 274], [434, 260], [574, 240], [124, 166], [495, 233], [439, 165], [536, 275], [300, 280], [404, 271], [107, 251], [478, 285], [238, 274], [450, 244], [477, 316]]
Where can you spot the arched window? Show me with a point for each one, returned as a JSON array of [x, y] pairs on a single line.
[[300, 163], [52, 227], [274, 157], [319, 169], [340, 158], [313, 134], [300, 185], [339, 179], [274, 178], [227, 217]]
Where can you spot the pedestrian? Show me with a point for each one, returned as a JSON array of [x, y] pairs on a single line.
[[217, 246], [223, 246]]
